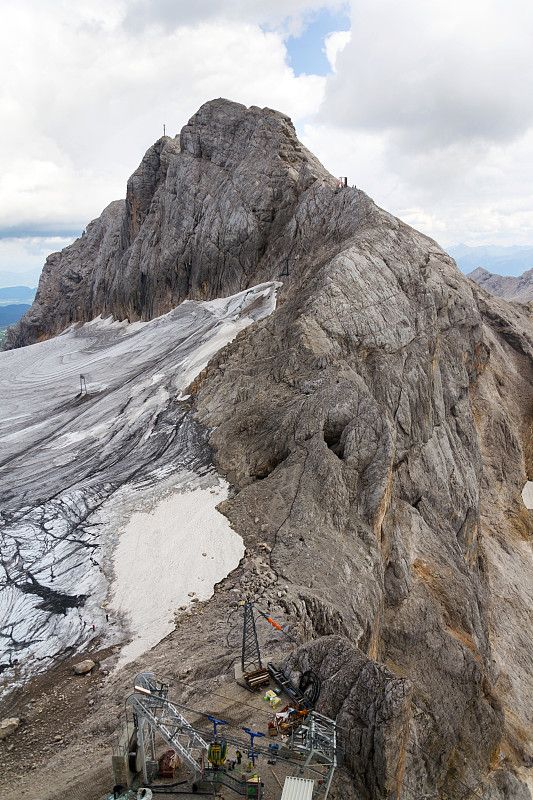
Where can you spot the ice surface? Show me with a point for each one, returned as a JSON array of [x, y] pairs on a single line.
[[79, 471]]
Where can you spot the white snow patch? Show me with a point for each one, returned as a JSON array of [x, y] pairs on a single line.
[[527, 494], [100, 323], [78, 436], [159, 560]]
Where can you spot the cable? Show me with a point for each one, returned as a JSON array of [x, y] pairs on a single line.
[[163, 786], [240, 702], [261, 751], [310, 686], [160, 789], [295, 641]]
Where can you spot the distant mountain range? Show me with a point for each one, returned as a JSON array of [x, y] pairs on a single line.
[[497, 269], [492, 258], [519, 289], [10, 314], [16, 294], [14, 302]]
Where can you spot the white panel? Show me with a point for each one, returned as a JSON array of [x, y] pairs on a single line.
[[297, 789]]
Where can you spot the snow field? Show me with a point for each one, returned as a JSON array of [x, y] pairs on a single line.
[[183, 546]]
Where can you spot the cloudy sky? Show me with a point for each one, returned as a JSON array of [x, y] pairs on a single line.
[[424, 104]]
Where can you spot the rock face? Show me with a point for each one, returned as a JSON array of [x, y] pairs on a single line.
[[519, 289], [206, 214], [351, 434], [371, 706], [376, 430]]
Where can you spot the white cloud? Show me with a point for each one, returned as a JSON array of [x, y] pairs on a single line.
[[285, 15], [22, 258], [479, 194], [89, 96], [436, 73], [429, 109], [334, 44]]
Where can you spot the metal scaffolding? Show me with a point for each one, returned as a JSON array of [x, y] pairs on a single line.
[[317, 738], [154, 714]]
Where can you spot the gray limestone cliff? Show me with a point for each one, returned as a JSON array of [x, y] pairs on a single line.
[[211, 212], [378, 424]]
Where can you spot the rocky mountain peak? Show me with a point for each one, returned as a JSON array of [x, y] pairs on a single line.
[[208, 214], [478, 274], [142, 185], [518, 288], [223, 132]]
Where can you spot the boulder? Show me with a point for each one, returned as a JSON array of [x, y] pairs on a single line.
[[84, 666], [8, 725]]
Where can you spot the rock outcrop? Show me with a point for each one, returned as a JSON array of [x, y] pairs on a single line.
[[84, 666], [8, 726], [371, 706], [376, 430]]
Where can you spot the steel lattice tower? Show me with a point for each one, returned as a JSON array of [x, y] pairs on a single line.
[[251, 657]]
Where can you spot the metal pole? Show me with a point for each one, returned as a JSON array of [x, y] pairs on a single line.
[[330, 778], [152, 743], [140, 742]]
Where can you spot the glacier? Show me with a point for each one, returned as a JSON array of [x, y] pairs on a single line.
[[107, 483]]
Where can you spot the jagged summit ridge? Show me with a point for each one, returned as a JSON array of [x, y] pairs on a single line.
[[206, 215]]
